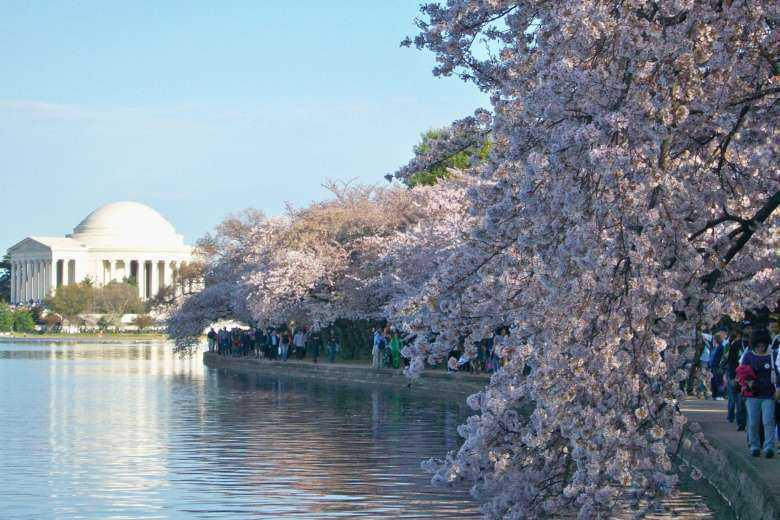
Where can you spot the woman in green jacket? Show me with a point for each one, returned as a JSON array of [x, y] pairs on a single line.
[[395, 349]]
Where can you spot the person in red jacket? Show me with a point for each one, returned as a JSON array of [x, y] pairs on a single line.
[[761, 385]]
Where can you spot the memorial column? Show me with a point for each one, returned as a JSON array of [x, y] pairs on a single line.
[[26, 281], [22, 284], [52, 276], [168, 275], [32, 280], [154, 272], [13, 283], [142, 279], [41, 280], [35, 280]]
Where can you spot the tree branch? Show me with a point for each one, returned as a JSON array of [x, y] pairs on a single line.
[[747, 231]]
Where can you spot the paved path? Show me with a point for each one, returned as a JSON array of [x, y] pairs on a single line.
[[711, 415]]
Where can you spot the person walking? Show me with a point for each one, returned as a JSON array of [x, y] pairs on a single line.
[[236, 344], [276, 351], [760, 385], [332, 348], [284, 346], [212, 339], [313, 345], [716, 374], [395, 349], [376, 349], [774, 350], [299, 343], [734, 348], [385, 357]]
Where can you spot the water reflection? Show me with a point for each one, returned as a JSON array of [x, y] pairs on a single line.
[[117, 431], [134, 431]]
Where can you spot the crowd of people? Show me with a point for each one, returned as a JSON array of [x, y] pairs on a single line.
[[744, 365], [386, 348], [281, 343], [483, 358], [272, 343], [743, 359]]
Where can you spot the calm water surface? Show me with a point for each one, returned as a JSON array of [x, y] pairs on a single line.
[[133, 431]]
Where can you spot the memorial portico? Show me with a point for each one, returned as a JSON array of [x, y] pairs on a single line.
[[121, 241]]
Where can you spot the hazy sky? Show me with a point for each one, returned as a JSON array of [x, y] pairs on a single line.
[[202, 108]]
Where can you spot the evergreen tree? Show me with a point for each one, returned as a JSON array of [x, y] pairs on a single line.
[[23, 321], [6, 318]]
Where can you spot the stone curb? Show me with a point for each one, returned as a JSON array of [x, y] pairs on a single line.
[[737, 481], [441, 384]]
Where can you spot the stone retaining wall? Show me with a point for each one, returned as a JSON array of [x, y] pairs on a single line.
[[737, 482], [439, 384]]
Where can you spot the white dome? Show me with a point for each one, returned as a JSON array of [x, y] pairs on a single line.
[[127, 225]]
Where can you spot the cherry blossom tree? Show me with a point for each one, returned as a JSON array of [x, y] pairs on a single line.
[[630, 197], [225, 255], [315, 265], [325, 262]]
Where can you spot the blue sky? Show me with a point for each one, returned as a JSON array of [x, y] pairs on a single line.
[[200, 109]]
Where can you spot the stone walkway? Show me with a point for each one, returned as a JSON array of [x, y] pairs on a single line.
[[756, 480]]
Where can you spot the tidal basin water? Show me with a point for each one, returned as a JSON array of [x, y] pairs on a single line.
[[133, 431]]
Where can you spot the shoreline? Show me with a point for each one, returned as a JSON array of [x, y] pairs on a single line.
[[441, 384], [733, 497], [80, 339]]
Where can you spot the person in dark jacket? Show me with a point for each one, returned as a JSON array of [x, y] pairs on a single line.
[[734, 347], [313, 344], [761, 406], [774, 349], [212, 338], [716, 380]]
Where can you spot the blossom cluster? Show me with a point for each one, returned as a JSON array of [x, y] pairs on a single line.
[[353, 256], [630, 198]]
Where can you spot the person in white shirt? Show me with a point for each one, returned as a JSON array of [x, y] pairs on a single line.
[[774, 331]]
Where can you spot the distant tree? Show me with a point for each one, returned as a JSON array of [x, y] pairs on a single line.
[[52, 321], [165, 297], [105, 322], [37, 314], [23, 321], [143, 321], [190, 277], [118, 298], [78, 321], [6, 318], [5, 279], [72, 300], [460, 160]]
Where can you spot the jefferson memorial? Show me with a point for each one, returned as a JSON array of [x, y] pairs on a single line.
[[121, 240]]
